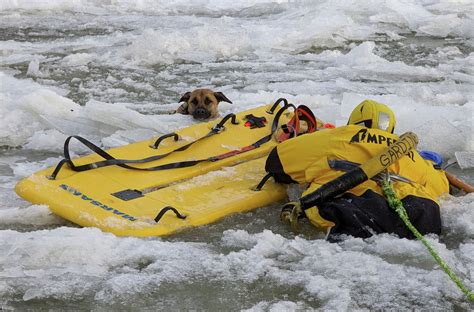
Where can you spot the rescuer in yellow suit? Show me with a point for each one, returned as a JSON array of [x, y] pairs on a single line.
[[322, 156]]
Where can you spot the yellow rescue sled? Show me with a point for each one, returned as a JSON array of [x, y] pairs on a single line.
[[189, 178]]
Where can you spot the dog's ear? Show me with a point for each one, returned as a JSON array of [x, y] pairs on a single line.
[[183, 109], [185, 97], [220, 97]]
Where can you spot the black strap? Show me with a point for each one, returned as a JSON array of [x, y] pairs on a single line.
[[275, 105], [161, 138], [165, 210], [264, 180], [110, 160], [58, 168], [257, 143], [275, 123]]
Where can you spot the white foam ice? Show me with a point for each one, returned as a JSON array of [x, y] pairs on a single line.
[[283, 305], [73, 266], [119, 116], [46, 140], [442, 128], [25, 108], [336, 273], [39, 118], [299, 28], [157, 47], [78, 59], [127, 5], [361, 62], [382, 272], [465, 159], [295, 27], [32, 216], [23, 169], [124, 137], [33, 69], [458, 216]]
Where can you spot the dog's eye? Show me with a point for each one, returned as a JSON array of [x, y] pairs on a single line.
[[194, 101], [207, 101]]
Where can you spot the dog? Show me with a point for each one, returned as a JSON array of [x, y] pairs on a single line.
[[201, 103]]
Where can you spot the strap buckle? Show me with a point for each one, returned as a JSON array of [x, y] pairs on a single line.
[[218, 129]]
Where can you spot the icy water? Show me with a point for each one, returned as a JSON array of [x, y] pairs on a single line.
[[110, 70]]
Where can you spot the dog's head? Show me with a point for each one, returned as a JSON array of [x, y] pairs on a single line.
[[202, 103]]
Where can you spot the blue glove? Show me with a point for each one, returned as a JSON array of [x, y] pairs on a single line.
[[434, 157]]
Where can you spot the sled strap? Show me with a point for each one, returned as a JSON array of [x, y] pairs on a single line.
[[165, 210], [259, 142], [124, 163], [109, 160], [260, 185]]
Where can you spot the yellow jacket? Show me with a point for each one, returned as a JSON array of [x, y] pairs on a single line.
[[305, 160]]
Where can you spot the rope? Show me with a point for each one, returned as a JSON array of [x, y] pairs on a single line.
[[397, 205]]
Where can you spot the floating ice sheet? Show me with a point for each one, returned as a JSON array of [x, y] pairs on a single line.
[[465, 159]]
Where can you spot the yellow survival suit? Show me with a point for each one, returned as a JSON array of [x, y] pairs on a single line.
[[320, 157]]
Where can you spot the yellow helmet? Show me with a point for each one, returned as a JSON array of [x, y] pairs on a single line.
[[373, 115]]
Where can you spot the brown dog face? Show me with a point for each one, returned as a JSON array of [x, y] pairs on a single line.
[[201, 103]]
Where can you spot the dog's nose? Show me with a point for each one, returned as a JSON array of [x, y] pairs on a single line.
[[201, 113]]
